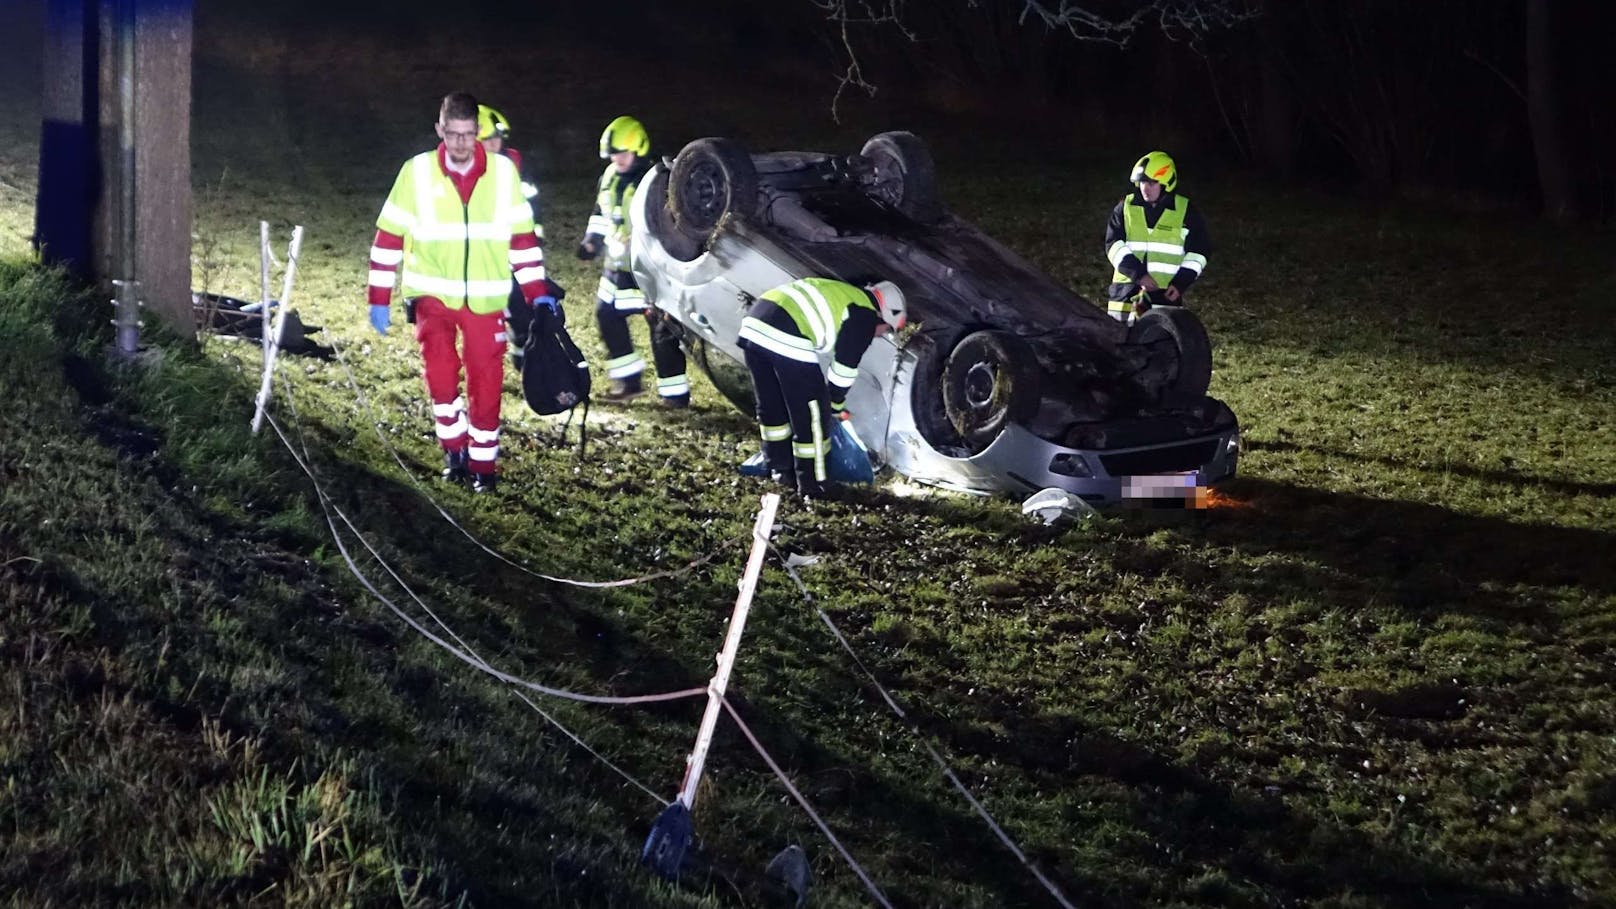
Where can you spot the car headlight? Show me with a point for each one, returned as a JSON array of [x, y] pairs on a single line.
[[1070, 464]]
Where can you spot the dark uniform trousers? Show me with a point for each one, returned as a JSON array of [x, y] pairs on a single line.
[[790, 391], [666, 354]]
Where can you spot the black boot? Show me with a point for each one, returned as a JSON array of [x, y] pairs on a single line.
[[812, 490], [782, 466], [454, 466], [484, 482], [621, 390]]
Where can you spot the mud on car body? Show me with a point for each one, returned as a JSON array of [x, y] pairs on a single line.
[[1006, 382]]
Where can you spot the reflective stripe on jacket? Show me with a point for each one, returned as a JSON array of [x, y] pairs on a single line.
[[802, 319], [461, 251], [613, 196], [1159, 248]]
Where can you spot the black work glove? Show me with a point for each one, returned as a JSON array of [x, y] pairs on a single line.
[[590, 247]]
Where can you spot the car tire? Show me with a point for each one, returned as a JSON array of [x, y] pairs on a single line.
[[660, 220], [710, 178], [1193, 374], [989, 382], [905, 175]]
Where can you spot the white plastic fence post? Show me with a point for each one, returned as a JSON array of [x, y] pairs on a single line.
[[274, 348], [732, 643], [263, 286]]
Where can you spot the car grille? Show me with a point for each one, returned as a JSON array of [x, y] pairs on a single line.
[[1166, 459]]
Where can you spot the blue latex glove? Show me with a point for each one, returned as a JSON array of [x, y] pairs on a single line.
[[380, 318], [545, 300]]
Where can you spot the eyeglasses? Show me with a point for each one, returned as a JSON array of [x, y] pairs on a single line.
[[450, 135]]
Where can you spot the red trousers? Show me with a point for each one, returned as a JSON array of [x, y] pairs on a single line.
[[470, 423]]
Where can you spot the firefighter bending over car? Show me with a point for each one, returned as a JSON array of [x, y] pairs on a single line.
[[1156, 242], [783, 336], [460, 214], [626, 143]]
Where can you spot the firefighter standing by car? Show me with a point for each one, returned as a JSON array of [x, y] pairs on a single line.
[[460, 214], [626, 144], [782, 336], [494, 132], [1156, 242]]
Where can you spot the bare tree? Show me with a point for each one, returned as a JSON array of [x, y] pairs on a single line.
[[1187, 20], [1553, 169]]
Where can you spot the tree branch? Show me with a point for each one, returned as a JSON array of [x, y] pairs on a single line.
[[1175, 18]]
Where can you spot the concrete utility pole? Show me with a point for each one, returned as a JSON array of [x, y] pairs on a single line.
[[69, 169], [115, 156]]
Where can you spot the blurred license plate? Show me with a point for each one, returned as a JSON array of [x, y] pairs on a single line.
[[1165, 490]]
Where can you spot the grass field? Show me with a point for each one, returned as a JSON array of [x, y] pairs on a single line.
[[1379, 674]]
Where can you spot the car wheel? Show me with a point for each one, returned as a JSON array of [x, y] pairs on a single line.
[[710, 179], [660, 221], [989, 382], [1193, 374], [905, 176], [730, 377]]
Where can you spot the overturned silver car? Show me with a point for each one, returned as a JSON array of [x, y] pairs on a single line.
[[1004, 383]]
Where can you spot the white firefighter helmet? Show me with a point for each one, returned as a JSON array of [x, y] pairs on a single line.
[[890, 303]]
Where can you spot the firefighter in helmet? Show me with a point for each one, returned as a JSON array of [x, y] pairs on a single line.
[[627, 146], [783, 336], [494, 132], [1156, 242]]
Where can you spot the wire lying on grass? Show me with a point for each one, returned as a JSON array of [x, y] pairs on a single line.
[[688, 567], [465, 653], [790, 568]]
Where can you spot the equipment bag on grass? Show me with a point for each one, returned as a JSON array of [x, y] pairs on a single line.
[[555, 375]]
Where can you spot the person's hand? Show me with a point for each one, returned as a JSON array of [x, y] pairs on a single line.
[[1173, 294], [549, 296], [1149, 284], [838, 410], [381, 316], [589, 247]]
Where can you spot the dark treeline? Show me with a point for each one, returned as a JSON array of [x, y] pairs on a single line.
[[1471, 103], [1477, 102]]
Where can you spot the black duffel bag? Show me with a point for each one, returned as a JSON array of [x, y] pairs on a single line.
[[555, 375]]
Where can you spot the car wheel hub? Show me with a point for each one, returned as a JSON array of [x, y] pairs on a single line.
[[706, 187], [980, 381]]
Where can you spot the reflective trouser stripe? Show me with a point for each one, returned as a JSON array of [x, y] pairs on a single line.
[[456, 342], [484, 447], [606, 290], [1119, 309], [790, 394], [817, 449], [449, 420], [673, 386], [625, 366]]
